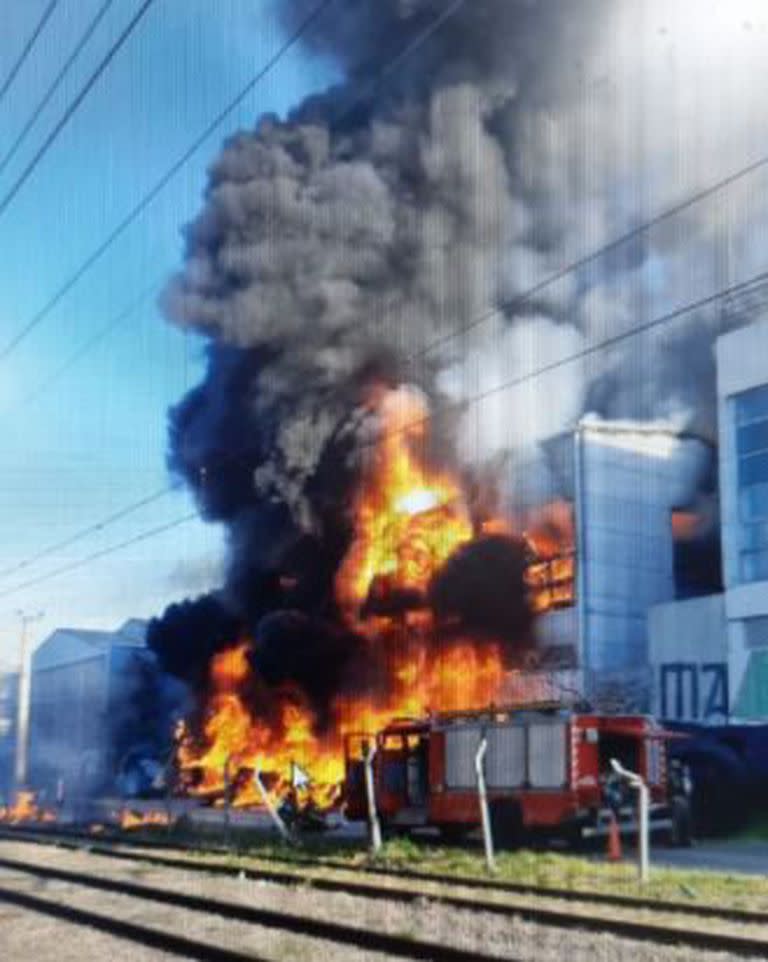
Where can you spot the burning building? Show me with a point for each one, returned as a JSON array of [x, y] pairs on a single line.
[[627, 482], [393, 429]]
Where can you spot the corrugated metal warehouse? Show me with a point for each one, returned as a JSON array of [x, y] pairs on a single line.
[[92, 697]]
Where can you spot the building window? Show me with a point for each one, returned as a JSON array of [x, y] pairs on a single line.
[[751, 416], [696, 556], [550, 574]]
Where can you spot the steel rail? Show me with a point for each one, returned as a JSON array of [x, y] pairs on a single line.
[[656, 932], [336, 932], [129, 931], [98, 845]]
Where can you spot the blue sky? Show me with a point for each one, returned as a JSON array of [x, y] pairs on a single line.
[[93, 441]]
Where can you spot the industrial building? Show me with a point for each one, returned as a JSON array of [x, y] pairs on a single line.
[[709, 657], [627, 485], [9, 707], [96, 697]]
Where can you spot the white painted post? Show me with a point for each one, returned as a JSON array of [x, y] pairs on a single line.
[[643, 818], [22, 711], [227, 801], [271, 810], [482, 794], [169, 772], [644, 830], [369, 753]]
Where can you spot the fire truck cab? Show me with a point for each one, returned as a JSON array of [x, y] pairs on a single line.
[[547, 771]]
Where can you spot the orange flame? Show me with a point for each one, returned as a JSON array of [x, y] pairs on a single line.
[[25, 809], [130, 819], [408, 520]]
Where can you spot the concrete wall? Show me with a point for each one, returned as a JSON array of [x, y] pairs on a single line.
[[688, 655]]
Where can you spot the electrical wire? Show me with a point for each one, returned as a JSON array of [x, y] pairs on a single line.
[[656, 322], [103, 553], [73, 106], [519, 300], [87, 532], [602, 345], [159, 186], [409, 49], [86, 347], [370, 87], [27, 50], [47, 96]]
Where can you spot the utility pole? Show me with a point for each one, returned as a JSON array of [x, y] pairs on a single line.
[[22, 717]]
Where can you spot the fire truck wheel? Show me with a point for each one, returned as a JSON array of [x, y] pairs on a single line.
[[453, 834], [680, 833], [506, 824]]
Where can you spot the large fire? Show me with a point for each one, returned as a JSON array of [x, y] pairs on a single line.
[[408, 520]]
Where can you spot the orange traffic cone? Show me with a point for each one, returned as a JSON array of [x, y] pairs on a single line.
[[614, 840]]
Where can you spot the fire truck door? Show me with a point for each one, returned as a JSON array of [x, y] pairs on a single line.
[[416, 773]]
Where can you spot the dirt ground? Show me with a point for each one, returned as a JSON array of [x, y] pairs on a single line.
[[25, 934]]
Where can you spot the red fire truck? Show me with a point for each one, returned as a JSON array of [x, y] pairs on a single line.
[[547, 770]]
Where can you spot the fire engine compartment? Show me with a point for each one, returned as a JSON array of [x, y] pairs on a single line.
[[547, 769]]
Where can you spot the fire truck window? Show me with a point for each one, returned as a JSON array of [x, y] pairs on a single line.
[[394, 777], [393, 743], [623, 748]]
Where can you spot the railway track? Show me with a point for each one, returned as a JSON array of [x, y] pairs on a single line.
[[674, 923], [122, 846], [400, 946], [139, 934]]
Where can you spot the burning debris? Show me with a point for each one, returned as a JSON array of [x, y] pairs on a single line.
[[25, 809], [386, 554], [414, 564], [129, 819]]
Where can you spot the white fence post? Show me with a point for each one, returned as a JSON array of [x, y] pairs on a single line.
[[369, 753], [271, 810], [482, 795], [643, 817]]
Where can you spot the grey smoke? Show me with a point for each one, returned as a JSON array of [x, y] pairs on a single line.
[[335, 246]]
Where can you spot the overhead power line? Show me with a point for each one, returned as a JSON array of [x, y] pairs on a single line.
[[520, 300], [103, 553], [74, 105], [47, 96], [592, 349], [47, 13], [531, 292], [372, 85], [410, 48], [85, 348], [160, 185], [86, 532], [609, 342]]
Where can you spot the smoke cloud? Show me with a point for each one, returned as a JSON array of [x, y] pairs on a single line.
[[359, 240]]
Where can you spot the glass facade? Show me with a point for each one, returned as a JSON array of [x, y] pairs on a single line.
[[751, 425]]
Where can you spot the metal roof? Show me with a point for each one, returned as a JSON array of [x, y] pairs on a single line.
[[68, 646]]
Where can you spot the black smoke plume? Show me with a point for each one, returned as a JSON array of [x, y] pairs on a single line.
[[481, 592], [346, 244]]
